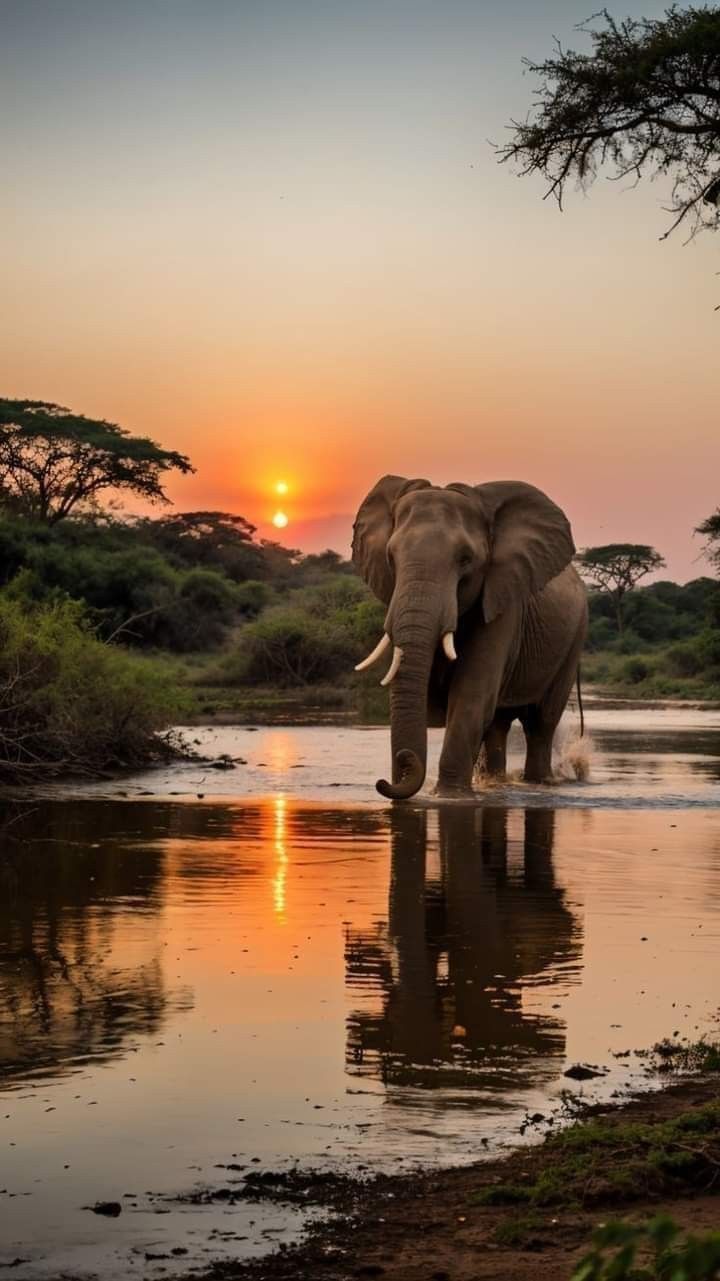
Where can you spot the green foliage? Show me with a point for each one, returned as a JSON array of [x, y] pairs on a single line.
[[654, 615], [596, 1162], [707, 647], [684, 660], [615, 569], [181, 583], [655, 1251], [68, 702], [208, 540], [252, 597], [53, 461], [289, 646], [671, 641], [635, 670]]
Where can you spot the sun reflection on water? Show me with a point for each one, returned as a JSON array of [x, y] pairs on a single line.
[[281, 857]]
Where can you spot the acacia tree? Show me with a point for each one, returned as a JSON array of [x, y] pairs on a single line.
[[616, 568], [52, 461], [710, 529], [216, 539], [644, 103]]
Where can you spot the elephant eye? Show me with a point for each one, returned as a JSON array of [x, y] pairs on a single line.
[[464, 558]]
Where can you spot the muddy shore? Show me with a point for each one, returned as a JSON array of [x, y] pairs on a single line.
[[526, 1217]]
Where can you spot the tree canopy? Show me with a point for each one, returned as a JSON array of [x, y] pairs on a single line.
[[213, 539], [710, 529], [645, 103], [53, 462], [616, 568]]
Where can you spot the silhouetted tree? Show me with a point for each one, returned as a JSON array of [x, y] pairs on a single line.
[[52, 461], [616, 568], [212, 539], [645, 102], [710, 529]]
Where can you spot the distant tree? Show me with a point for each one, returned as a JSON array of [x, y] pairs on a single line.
[[213, 539], [281, 563], [54, 462], [710, 530], [315, 567], [616, 568], [645, 102]]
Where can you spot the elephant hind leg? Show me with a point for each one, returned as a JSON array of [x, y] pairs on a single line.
[[495, 742], [539, 734], [542, 719]]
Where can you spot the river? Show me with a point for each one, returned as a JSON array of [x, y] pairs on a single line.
[[206, 973]]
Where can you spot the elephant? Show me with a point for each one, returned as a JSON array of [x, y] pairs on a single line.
[[486, 619]]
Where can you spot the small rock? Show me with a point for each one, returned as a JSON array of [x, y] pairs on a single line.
[[111, 1209], [581, 1072]]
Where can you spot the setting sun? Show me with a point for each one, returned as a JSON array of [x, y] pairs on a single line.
[[281, 487], [279, 520]]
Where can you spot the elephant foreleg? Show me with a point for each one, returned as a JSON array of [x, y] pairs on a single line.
[[472, 705], [460, 752]]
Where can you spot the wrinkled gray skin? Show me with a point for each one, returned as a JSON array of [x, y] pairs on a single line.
[[493, 564]]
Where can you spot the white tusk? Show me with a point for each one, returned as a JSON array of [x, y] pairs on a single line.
[[372, 658], [448, 644], [392, 670]]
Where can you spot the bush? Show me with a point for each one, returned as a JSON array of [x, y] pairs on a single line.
[[601, 634], [708, 648], [635, 670], [628, 643], [68, 702], [200, 613], [684, 660], [252, 597], [287, 647], [669, 1253]]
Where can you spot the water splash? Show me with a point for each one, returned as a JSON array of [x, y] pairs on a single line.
[[574, 757]]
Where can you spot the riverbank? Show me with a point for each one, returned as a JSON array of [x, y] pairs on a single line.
[[653, 673], [201, 699], [527, 1217]]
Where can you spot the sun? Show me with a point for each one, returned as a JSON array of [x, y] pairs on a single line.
[[281, 487], [279, 520]]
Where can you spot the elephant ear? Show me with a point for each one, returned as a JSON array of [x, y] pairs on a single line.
[[531, 543], [372, 528]]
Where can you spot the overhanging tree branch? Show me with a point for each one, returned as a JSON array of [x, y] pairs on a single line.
[[646, 101]]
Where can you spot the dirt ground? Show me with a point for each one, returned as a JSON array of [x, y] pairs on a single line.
[[434, 1227]]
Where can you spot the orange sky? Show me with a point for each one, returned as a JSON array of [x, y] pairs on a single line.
[[275, 236]]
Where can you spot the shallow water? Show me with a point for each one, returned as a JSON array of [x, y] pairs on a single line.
[[284, 971]]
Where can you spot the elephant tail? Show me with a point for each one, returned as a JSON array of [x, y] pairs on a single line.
[[580, 703]]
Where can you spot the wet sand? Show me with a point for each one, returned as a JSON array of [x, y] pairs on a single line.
[[434, 1227]]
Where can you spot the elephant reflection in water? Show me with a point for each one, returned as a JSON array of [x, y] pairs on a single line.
[[457, 952], [67, 993]]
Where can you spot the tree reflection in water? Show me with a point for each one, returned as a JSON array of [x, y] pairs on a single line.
[[439, 991], [74, 983]]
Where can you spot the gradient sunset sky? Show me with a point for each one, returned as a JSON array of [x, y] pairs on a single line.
[[273, 234]]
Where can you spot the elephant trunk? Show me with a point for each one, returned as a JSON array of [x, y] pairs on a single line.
[[420, 612]]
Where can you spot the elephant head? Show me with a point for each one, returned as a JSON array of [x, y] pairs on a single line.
[[432, 554]]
